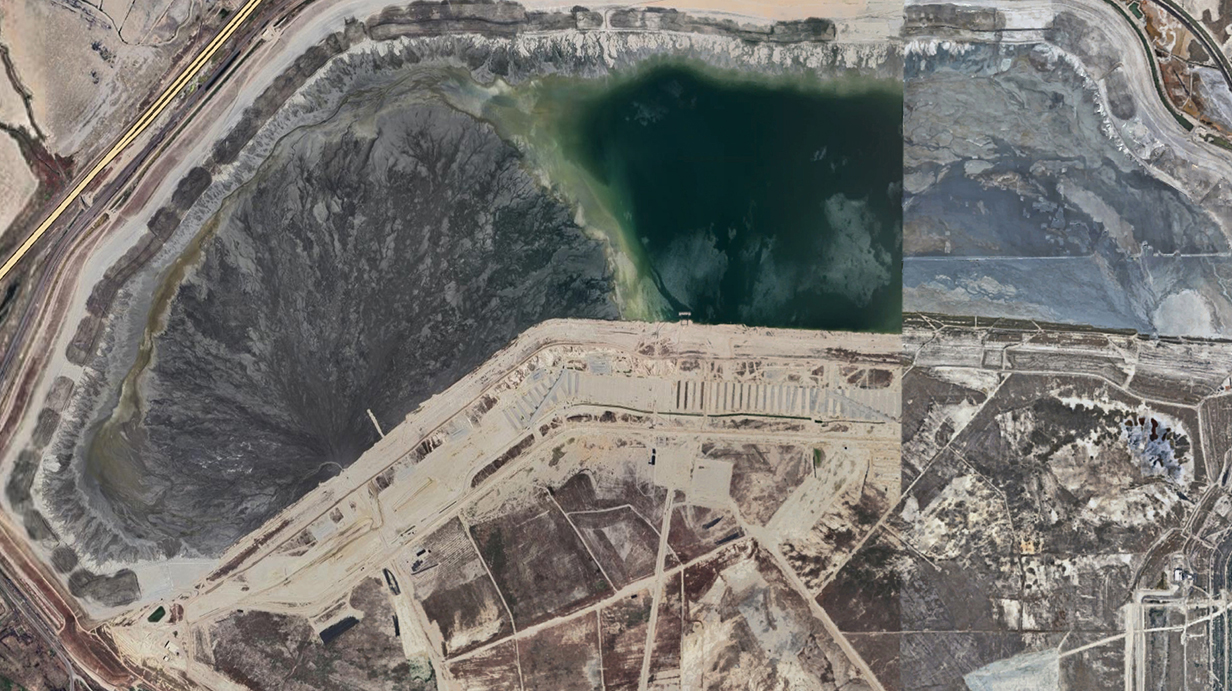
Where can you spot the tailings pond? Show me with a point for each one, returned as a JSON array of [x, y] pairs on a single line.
[[742, 198]]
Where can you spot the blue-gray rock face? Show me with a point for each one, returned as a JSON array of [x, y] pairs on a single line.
[[1020, 202]]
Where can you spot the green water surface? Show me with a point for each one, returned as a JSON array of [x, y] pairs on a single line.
[[754, 200]]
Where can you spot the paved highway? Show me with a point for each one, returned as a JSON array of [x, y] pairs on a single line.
[[188, 74]]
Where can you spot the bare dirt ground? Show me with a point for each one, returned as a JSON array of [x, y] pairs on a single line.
[[17, 183]]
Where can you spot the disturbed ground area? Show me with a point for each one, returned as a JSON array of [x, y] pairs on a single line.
[[360, 650], [1105, 215], [1215, 16], [618, 557], [566, 556], [1193, 68], [1037, 506], [80, 61], [72, 74], [29, 658]]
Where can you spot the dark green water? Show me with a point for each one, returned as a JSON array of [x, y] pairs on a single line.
[[763, 202]]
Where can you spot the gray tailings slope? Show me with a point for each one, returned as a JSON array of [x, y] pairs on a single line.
[[372, 261]]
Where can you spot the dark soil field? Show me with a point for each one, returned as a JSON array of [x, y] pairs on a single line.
[[696, 530], [494, 669], [456, 592], [539, 563], [563, 657], [623, 626], [763, 476], [274, 652]]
